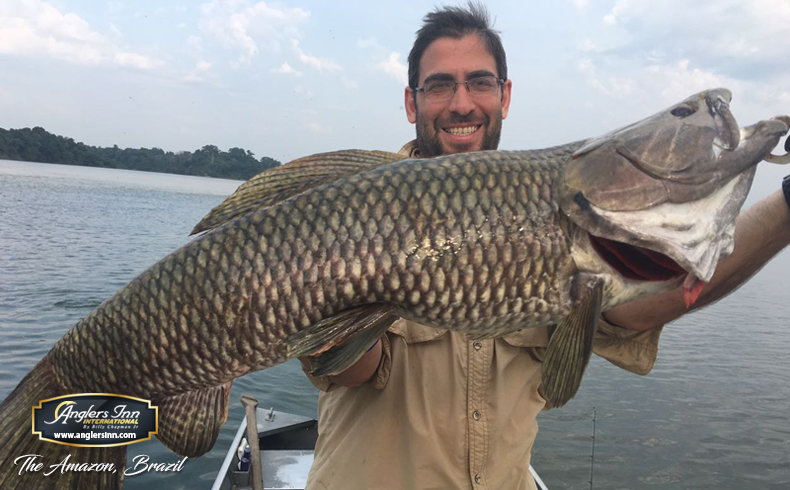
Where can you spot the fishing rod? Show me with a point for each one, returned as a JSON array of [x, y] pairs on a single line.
[[592, 451]]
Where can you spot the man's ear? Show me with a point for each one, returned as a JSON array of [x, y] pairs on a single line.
[[506, 88], [410, 104]]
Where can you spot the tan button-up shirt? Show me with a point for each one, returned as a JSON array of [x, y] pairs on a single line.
[[445, 412]]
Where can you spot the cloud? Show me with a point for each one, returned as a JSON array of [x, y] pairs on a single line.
[[314, 127], [619, 85], [616, 13], [37, 28], [312, 61], [394, 67], [388, 62], [740, 39], [135, 60], [370, 42], [286, 69], [303, 92], [641, 55], [668, 82], [250, 28], [199, 73], [679, 80], [581, 4]]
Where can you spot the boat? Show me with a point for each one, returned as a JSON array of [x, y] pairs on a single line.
[[287, 445]]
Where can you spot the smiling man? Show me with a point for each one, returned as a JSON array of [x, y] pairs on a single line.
[[450, 120], [430, 408]]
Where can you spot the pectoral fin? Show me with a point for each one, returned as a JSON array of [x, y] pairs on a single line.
[[189, 423], [339, 341], [571, 345]]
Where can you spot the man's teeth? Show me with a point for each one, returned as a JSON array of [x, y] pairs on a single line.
[[462, 131]]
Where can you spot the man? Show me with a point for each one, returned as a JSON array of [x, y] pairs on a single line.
[[428, 408]]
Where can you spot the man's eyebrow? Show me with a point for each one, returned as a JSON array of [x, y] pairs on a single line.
[[438, 77], [481, 73], [442, 77]]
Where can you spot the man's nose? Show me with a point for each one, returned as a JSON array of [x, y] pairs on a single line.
[[461, 102]]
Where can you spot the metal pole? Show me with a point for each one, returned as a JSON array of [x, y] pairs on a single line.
[[250, 404]]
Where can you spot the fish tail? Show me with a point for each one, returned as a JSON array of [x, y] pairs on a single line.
[[18, 444]]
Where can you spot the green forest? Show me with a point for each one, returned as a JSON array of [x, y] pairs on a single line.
[[38, 145]]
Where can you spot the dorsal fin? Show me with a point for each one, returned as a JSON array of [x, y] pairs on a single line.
[[279, 183]]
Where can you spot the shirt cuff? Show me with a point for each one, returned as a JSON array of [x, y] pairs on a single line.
[[632, 350], [378, 380], [320, 382]]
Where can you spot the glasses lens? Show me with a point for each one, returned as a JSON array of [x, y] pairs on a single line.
[[483, 85], [439, 89]]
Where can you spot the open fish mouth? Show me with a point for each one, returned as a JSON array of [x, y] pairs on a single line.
[[642, 264], [634, 262]]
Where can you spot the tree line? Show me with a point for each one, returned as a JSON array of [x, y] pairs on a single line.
[[38, 145]]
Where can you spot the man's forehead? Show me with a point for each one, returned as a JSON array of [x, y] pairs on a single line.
[[458, 57]]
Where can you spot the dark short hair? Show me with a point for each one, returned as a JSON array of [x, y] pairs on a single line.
[[456, 22]]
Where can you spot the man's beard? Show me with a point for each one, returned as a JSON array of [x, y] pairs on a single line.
[[430, 146]]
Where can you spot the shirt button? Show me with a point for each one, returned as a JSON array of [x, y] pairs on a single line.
[[477, 345], [476, 415], [477, 478]]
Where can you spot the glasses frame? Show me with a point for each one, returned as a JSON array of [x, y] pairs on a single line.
[[500, 83]]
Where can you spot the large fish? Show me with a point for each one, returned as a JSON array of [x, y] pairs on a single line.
[[316, 258]]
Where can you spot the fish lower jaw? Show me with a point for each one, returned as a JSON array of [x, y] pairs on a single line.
[[692, 288], [619, 290]]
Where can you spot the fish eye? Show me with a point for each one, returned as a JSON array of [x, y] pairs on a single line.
[[683, 111]]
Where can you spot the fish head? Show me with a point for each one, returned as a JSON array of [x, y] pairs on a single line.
[[676, 155], [658, 199]]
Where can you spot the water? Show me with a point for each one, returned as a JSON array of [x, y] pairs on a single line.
[[712, 414], [72, 236]]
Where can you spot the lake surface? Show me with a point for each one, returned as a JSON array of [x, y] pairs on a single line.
[[714, 413]]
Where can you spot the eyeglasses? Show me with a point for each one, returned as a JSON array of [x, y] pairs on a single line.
[[443, 90]]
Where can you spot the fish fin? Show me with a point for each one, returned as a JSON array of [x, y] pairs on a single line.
[[17, 439], [570, 347], [189, 422], [591, 145], [277, 184], [339, 341], [341, 357]]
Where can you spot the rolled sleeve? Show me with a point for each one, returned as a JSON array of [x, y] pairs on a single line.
[[632, 350], [378, 380], [320, 382], [382, 374]]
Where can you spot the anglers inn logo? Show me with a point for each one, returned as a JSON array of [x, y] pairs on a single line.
[[95, 419]]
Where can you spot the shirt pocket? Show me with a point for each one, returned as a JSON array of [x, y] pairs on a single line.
[[528, 337]]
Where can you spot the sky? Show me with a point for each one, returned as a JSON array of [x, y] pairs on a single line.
[[286, 79]]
